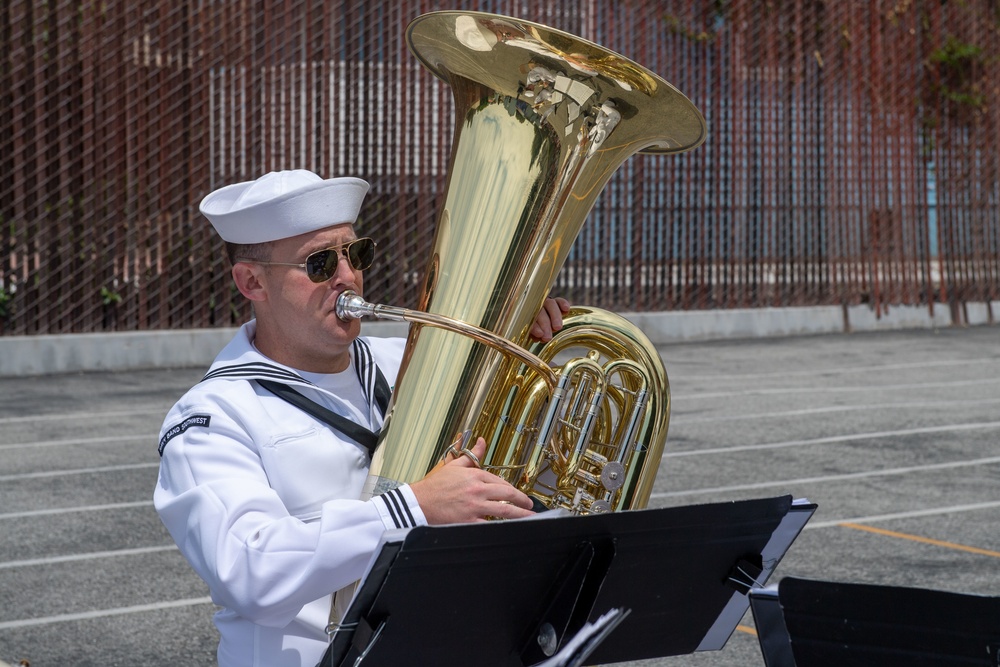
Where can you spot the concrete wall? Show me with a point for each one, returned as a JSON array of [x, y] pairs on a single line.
[[70, 353]]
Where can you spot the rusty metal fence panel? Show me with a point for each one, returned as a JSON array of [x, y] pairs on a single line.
[[852, 152]]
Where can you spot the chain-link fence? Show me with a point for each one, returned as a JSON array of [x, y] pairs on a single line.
[[852, 152]]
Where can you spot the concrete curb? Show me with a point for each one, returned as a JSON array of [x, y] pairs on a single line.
[[71, 353]]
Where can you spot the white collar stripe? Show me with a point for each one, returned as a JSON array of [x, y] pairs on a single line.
[[365, 367], [254, 370]]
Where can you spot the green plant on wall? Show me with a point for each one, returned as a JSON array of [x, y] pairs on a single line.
[[109, 297], [6, 296], [110, 300], [953, 85], [715, 14], [955, 68]]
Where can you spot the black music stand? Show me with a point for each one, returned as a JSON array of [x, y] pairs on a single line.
[[508, 593], [807, 623]]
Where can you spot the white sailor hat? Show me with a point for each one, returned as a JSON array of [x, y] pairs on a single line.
[[282, 204]]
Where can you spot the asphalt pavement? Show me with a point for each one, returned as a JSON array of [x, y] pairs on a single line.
[[895, 435]]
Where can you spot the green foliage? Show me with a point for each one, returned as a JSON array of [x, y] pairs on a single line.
[[715, 14], [955, 67], [956, 53], [6, 296], [954, 85], [674, 26], [109, 297]]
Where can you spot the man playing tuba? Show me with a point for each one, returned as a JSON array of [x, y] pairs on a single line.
[[263, 461]]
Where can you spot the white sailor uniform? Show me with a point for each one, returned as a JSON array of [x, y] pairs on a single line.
[[262, 498]]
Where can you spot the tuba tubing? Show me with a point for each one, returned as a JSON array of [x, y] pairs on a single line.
[[351, 306], [542, 121]]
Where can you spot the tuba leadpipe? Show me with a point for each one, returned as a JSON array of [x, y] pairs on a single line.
[[542, 121], [351, 306]]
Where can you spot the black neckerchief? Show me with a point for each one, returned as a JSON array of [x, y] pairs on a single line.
[[356, 432], [374, 386]]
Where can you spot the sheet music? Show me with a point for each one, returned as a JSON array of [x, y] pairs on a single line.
[[577, 649]]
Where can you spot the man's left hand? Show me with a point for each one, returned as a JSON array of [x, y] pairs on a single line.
[[549, 318]]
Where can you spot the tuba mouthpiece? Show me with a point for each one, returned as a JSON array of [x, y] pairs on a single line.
[[351, 306]]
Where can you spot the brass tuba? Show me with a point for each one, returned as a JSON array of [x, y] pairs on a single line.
[[543, 119]]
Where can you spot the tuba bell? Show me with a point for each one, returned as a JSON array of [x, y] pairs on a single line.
[[543, 119]]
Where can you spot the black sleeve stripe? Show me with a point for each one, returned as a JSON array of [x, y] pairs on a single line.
[[406, 507], [400, 503], [385, 497], [396, 504]]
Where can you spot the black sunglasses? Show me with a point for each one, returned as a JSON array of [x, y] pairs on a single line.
[[322, 264]]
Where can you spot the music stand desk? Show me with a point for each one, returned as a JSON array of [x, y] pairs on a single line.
[[483, 594], [809, 623]]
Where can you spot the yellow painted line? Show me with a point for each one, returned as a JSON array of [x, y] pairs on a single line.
[[924, 540], [747, 629]]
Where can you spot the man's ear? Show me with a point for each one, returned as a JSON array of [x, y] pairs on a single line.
[[247, 277]]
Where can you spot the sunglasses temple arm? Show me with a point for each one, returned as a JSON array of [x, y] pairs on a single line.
[[351, 306]]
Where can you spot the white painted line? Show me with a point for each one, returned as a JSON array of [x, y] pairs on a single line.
[[103, 613], [934, 511], [78, 471], [70, 510], [148, 437], [834, 439], [679, 419], [853, 389], [72, 558], [845, 369], [831, 478], [77, 416]]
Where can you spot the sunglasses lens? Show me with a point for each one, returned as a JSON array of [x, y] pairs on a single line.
[[320, 266], [361, 253]]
